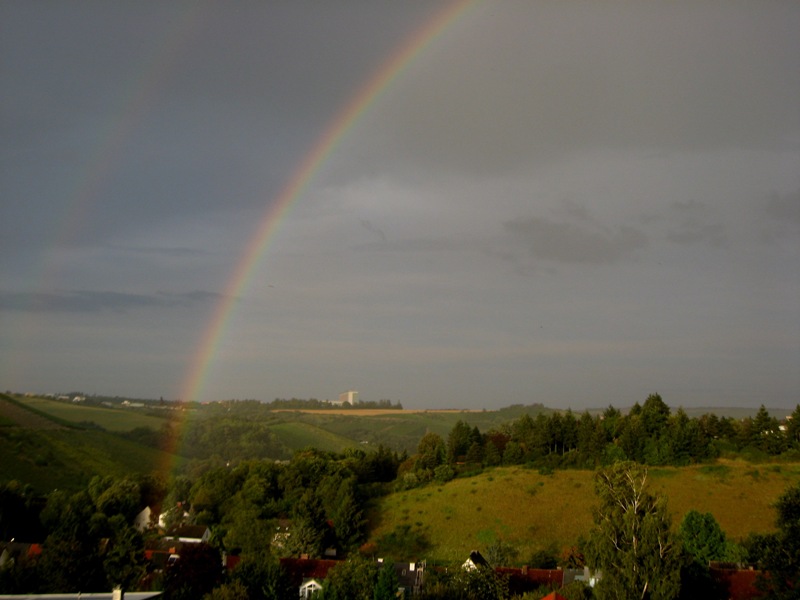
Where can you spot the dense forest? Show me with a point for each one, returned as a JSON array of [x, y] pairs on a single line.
[[245, 488]]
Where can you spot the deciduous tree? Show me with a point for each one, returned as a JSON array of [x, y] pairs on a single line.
[[702, 538], [430, 451], [632, 545], [387, 584], [458, 441], [353, 579], [782, 556]]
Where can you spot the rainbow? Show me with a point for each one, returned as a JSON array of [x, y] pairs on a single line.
[[86, 189], [344, 120], [135, 101]]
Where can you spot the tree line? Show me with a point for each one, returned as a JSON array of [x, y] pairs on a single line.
[[649, 434]]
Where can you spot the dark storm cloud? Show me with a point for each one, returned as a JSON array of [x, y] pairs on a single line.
[[120, 116], [538, 81], [613, 149], [565, 242], [86, 301]]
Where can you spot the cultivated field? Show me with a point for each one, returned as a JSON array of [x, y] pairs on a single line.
[[297, 436], [112, 419], [12, 414]]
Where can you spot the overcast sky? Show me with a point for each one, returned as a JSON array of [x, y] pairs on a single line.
[[576, 204]]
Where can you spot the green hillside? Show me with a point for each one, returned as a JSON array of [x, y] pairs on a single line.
[[402, 430], [111, 419], [534, 512], [297, 435], [69, 458]]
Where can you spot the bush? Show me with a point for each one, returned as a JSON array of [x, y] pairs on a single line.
[[403, 543], [443, 473]]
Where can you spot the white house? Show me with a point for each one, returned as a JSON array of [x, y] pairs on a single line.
[[142, 520], [309, 588], [474, 561]]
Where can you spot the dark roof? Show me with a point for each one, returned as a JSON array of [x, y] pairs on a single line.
[[17, 550], [409, 575], [739, 583], [189, 531], [525, 579], [307, 568], [477, 559]]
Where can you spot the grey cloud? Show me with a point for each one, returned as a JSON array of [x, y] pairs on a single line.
[[132, 116], [366, 224], [542, 82], [86, 301], [780, 219], [175, 252], [695, 233], [570, 243], [689, 206], [784, 208], [421, 244], [694, 225]]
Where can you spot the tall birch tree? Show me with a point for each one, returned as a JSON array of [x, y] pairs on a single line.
[[631, 546]]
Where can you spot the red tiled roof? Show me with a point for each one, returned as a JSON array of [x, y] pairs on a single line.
[[524, 580], [741, 584], [553, 596], [307, 568]]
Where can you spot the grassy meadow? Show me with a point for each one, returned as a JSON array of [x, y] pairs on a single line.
[[536, 512]]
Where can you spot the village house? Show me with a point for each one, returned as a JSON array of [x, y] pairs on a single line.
[[474, 561], [190, 534], [738, 583], [410, 577], [13, 552], [308, 575], [143, 520]]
